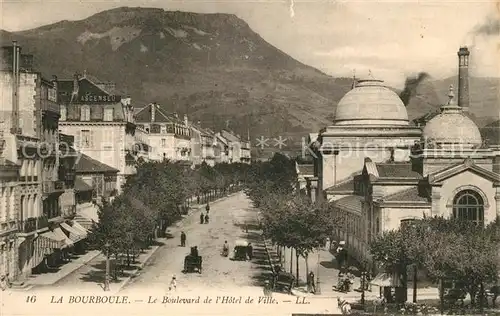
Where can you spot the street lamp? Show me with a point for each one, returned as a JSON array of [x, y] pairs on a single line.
[[363, 286], [318, 288], [106, 280]]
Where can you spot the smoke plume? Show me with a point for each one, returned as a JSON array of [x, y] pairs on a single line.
[[411, 85], [490, 27], [292, 11]]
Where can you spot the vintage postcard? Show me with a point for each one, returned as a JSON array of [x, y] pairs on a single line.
[[265, 157]]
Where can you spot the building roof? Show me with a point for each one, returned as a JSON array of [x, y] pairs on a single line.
[[143, 115], [346, 186], [81, 186], [230, 136], [452, 126], [396, 170], [351, 203], [369, 103], [88, 165], [408, 195]]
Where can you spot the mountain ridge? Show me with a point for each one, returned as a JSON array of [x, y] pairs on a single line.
[[211, 66]]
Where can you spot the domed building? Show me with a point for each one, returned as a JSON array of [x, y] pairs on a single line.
[[379, 171]]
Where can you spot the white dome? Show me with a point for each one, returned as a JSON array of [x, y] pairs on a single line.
[[371, 103], [452, 127]]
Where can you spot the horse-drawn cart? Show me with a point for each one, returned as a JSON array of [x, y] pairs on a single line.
[[192, 264], [283, 282]]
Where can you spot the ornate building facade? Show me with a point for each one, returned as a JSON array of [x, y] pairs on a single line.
[[380, 172], [168, 136], [102, 123]]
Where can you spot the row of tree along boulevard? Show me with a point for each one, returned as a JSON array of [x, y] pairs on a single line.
[[152, 200]]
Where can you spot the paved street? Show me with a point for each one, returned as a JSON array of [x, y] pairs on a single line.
[[226, 219]]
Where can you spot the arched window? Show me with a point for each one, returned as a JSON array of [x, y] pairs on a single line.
[[469, 205]]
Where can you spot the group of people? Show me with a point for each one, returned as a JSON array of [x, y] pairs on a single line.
[[205, 218]]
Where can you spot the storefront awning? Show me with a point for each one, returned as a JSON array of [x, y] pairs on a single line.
[[68, 243], [49, 240], [84, 232], [74, 234]]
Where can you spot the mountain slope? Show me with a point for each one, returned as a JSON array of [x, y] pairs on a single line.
[[212, 67]]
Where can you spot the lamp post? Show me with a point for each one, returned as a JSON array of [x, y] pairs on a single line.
[[318, 288], [106, 280], [363, 285]]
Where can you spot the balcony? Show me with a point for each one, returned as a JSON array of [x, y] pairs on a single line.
[[69, 211], [8, 225], [33, 223], [49, 106], [49, 187]]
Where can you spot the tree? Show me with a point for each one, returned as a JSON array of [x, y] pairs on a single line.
[[448, 249], [291, 221]]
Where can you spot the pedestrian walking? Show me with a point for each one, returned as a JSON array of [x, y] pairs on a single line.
[[327, 243], [173, 284], [207, 208], [250, 251], [202, 217], [341, 255], [183, 239], [311, 287], [206, 218]]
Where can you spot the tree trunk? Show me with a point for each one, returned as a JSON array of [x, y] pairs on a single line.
[[128, 258], [297, 267], [415, 274], [291, 260], [306, 257]]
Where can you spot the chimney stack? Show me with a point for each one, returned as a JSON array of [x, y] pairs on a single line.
[[153, 112], [16, 56], [463, 78]]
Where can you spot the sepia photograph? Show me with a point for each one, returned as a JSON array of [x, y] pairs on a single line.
[[249, 157]]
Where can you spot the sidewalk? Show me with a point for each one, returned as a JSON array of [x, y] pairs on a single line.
[[322, 263], [95, 256], [65, 270]]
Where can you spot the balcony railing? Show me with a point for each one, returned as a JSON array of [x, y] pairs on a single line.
[[52, 186], [49, 106], [33, 223], [69, 211]]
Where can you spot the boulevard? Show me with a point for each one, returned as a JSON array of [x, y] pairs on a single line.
[[228, 218]]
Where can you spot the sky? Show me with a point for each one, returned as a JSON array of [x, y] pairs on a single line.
[[391, 39]]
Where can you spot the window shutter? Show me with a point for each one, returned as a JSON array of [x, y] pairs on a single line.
[[91, 138], [78, 138]]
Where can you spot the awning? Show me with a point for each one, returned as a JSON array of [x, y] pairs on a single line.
[[386, 279], [76, 226], [48, 240], [68, 243], [74, 234]]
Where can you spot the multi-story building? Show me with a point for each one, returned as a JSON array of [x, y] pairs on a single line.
[[9, 208], [168, 136], [379, 172], [102, 124], [239, 150], [203, 144], [222, 148], [30, 114]]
